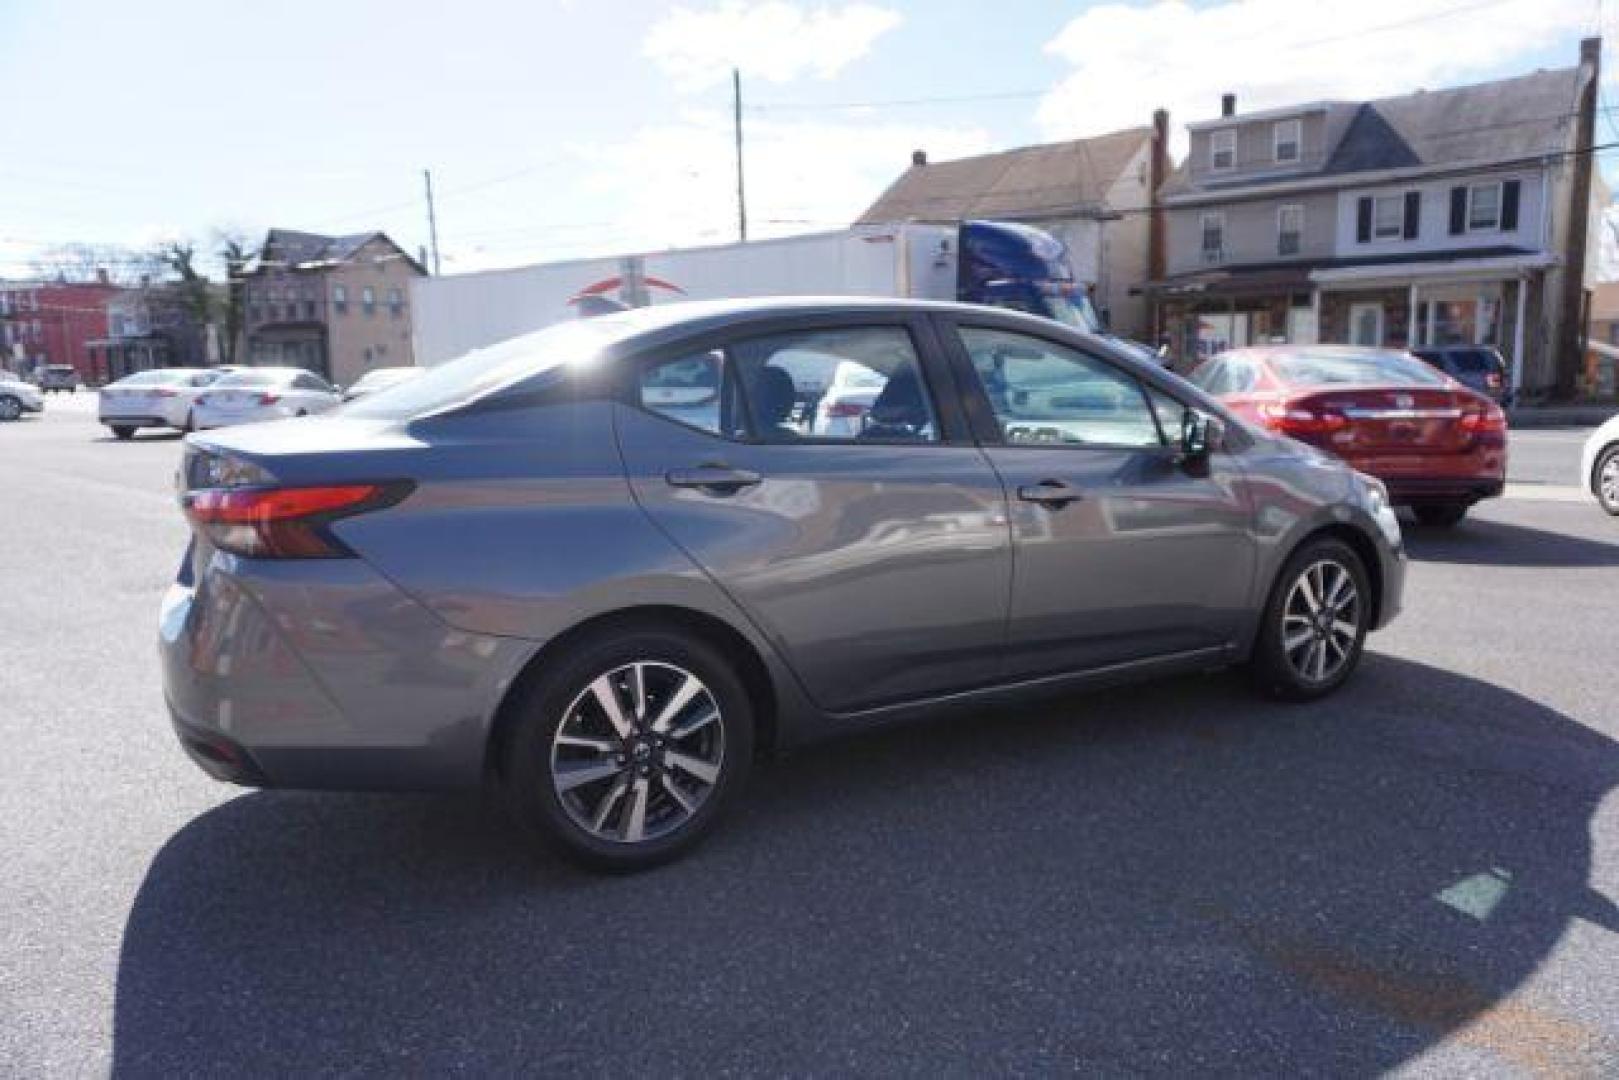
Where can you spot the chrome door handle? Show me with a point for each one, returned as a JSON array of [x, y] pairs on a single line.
[[1052, 494], [713, 478]]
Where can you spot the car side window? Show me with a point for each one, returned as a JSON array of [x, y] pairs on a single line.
[[1044, 393], [311, 382], [696, 389], [1170, 412], [1211, 377], [855, 384]]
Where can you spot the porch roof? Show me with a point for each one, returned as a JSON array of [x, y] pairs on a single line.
[[1486, 266]]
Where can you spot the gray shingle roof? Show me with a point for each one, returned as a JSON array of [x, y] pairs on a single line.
[[1057, 178], [289, 246], [1505, 120]]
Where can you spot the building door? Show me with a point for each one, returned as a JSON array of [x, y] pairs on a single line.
[[1366, 324]]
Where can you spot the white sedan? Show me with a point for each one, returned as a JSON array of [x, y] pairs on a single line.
[[1599, 465], [266, 393], [162, 397], [17, 397]]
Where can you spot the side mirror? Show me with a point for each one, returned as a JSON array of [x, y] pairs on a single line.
[[1201, 435]]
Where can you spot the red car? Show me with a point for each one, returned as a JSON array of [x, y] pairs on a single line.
[[1438, 446]]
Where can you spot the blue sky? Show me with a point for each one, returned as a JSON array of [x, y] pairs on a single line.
[[557, 129]]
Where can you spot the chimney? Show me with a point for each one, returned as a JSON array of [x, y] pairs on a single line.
[[1228, 104], [919, 157]]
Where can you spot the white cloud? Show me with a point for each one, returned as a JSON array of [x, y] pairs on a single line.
[[674, 185], [770, 40], [1129, 59]]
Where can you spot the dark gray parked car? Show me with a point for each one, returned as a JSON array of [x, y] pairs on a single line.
[[571, 566]]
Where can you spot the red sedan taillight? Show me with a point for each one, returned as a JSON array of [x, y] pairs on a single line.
[[269, 399], [1489, 420], [283, 523], [845, 409], [1299, 421]]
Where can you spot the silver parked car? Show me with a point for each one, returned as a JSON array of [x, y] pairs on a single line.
[[555, 566]]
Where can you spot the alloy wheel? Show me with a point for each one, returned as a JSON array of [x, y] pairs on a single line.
[[1608, 482], [1321, 621], [638, 752]]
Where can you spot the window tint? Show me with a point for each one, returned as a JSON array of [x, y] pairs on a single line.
[[1046, 393]]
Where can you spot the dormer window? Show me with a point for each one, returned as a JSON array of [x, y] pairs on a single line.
[[1288, 138], [1223, 151]]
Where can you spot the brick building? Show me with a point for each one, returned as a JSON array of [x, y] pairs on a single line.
[[44, 322]]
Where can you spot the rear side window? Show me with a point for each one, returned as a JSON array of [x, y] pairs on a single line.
[[860, 384]]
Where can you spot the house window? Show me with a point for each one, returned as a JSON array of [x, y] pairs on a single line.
[[1483, 207], [396, 303], [1388, 217], [309, 309], [368, 300], [1223, 150], [1213, 237], [1288, 137], [1289, 229], [340, 299]]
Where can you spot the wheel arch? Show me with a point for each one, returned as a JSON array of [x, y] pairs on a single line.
[[751, 667], [1593, 478]]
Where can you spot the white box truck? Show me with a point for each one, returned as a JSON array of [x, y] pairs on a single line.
[[987, 262]]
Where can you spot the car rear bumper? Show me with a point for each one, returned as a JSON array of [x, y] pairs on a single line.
[[1413, 489], [321, 674], [132, 420]]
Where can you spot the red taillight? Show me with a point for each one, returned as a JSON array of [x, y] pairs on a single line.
[[845, 409], [282, 523], [1488, 421], [269, 399], [164, 393], [1297, 421]]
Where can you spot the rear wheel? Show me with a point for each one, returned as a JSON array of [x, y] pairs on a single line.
[[627, 751], [1606, 480], [1440, 515], [1315, 623], [123, 432], [10, 408]]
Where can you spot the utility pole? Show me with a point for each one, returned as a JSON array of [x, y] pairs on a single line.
[[741, 194], [432, 221]]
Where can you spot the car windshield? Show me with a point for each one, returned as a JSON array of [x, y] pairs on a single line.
[[484, 370], [1472, 361], [1358, 369]]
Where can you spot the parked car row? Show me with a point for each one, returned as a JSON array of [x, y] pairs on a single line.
[[195, 399]]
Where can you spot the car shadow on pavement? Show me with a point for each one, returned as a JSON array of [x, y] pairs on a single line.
[[1162, 879], [1477, 542]]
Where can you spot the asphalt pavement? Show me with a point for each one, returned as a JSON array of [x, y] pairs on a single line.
[[1417, 875]]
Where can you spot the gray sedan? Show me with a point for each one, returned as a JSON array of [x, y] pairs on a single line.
[[541, 567]]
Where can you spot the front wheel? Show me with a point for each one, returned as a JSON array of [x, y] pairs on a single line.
[[1439, 515], [122, 432], [10, 408], [626, 752], [1607, 480], [1315, 623]]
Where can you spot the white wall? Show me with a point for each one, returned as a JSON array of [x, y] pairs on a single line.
[[1434, 232]]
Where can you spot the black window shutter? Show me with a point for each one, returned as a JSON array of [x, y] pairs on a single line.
[[1458, 211], [1509, 205], [1363, 220], [1413, 214]]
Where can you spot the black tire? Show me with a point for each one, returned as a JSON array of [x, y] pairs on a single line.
[[122, 432], [1277, 674], [525, 763], [10, 408], [1608, 458], [1442, 515]]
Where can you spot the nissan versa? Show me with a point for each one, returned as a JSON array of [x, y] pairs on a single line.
[[605, 565]]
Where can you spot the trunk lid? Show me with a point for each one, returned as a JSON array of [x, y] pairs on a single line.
[[1393, 419]]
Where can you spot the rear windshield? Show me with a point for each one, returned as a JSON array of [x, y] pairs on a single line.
[[1471, 361], [488, 369], [253, 378], [1365, 369], [158, 377]]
